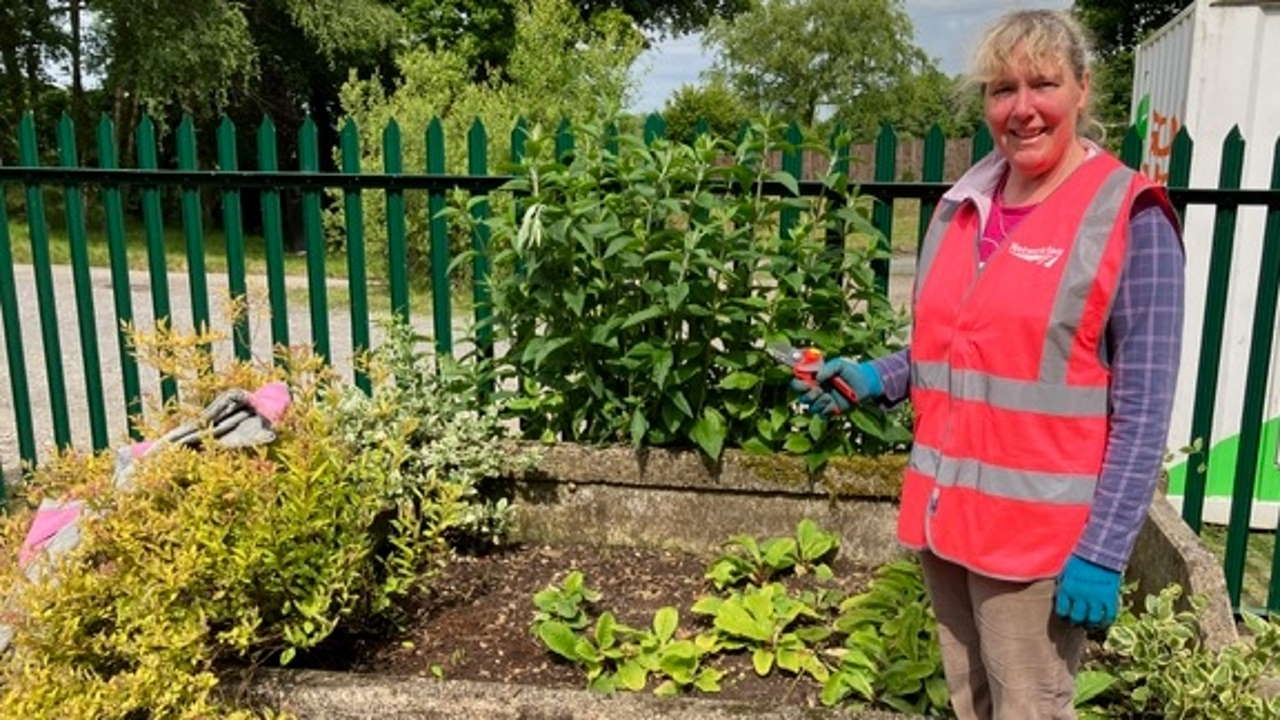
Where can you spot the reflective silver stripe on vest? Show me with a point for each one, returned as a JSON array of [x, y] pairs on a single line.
[[1027, 395], [933, 241], [1082, 266], [1001, 481]]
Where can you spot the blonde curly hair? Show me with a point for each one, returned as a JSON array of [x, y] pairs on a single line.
[[1045, 38]]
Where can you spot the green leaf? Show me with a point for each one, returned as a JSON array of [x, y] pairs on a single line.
[[834, 689], [734, 619], [787, 179], [667, 689], [559, 639], [665, 622], [604, 684], [709, 680], [639, 425], [681, 403], [755, 446], [707, 605], [740, 381], [709, 432], [762, 661], [662, 360], [617, 245], [640, 316], [632, 676], [605, 626], [287, 655], [813, 542], [868, 423], [858, 681], [676, 295], [779, 553], [575, 299], [1090, 684], [797, 443], [548, 347], [936, 689]]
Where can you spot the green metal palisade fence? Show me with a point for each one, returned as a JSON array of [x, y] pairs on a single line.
[[268, 181]]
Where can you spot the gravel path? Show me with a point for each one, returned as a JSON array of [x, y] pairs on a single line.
[[180, 304], [108, 347]]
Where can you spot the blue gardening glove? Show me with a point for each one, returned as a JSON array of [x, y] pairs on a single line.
[[825, 400], [1088, 593]]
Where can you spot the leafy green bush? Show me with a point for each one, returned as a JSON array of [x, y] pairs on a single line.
[[760, 562], [714, 103], [638, 288], [888, 656], [890, 652], [245, 556], [616, 656], [1153, 665]]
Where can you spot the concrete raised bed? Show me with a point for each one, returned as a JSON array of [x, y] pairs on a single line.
[[679, 500]]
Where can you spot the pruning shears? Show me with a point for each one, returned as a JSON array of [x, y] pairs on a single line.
[[804, 364]]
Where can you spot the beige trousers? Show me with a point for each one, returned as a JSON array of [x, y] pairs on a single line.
[[1007, 656]]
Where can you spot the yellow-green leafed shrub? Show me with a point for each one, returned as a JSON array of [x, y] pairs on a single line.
[[246, 556]]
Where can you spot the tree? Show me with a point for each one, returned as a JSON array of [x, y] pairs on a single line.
[[665, 17], [560, 66], [794, 56], [1117, 28], [485, 29], [29, 38], [715, 102]]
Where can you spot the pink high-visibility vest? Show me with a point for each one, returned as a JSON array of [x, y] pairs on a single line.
[[1009, 388]]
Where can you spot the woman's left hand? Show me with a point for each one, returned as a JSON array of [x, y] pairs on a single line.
[[1088, 593]]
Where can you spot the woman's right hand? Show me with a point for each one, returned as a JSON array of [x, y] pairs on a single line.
[[823, 398]]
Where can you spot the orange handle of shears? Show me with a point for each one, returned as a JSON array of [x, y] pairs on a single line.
[[810, 378]]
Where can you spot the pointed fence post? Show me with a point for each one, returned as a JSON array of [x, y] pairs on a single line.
[[792, 164], [935, 155], [1180, 167], [18, 388], [121, 294], [233, 228], [1255, 397], [1131, 148], [273, 236], [193, 228], [397, 247], [1224, 231], [564, 142], [29, 156], [982, 144], [353, 219], [440, 300], [882, 212], [478, 166], [313, 233], [153, 227], [654, 127], [87, 318]]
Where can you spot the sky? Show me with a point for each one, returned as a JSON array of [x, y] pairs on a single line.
[[944, 28]]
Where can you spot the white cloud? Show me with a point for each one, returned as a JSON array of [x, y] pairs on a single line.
[[667, 65]]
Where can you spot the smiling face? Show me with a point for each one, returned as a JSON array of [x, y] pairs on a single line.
[[1032, 109]]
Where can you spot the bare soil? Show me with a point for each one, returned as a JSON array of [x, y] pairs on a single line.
[[472, 622]]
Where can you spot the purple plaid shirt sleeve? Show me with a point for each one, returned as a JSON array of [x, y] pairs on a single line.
[[1144, 339]]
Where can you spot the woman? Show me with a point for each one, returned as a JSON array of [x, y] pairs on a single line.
[[1047, 320]]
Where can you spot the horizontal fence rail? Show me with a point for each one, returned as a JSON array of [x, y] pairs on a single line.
[[229, 182]]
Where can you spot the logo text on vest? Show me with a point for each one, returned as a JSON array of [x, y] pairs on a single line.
[[1045, 256]]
